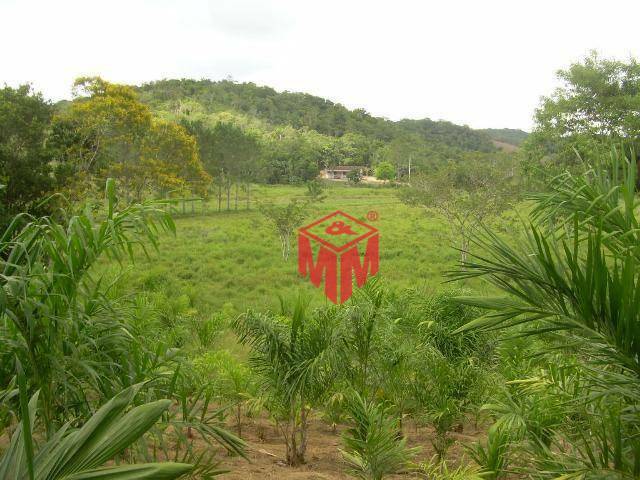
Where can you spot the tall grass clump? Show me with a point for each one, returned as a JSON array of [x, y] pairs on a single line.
[[80, 345]]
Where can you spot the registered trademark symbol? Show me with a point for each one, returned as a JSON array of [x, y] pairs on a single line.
[[372, 215]]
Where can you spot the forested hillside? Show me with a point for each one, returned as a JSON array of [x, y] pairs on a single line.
[[512, 136], [303, 110], [248, 133], [188, 137]]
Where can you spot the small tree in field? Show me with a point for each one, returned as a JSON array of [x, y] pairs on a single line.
[[466, 194], [294, 353], [285, 219], [315, 191], [385, 171]]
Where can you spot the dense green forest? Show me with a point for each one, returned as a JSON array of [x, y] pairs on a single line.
[[301, 110], [294, 135], [511, 136]]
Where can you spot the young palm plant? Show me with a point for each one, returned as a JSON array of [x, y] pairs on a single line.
[[576, 282], [295, 354], [374, 447], [493, 456], [234, 383]]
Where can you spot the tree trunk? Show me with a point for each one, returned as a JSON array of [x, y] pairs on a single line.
[[236, 196], [286, 246], [303, 434], [296, 437], [464, 248], [219, 197], [228, 196], [297, 444]]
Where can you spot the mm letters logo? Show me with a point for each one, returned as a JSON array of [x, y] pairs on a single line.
[[346, 248]]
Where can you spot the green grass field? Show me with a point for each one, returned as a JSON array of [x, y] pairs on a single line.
[[233, 259]]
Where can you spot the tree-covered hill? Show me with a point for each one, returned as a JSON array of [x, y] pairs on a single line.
[[181, 137], [512, 136], [303, 110]]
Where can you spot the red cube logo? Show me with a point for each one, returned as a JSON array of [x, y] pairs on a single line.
[[336, 238]]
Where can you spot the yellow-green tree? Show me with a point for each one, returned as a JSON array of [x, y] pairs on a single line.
[[107, 131], [168, 162]]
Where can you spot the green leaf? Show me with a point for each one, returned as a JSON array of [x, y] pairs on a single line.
[[150, 471]]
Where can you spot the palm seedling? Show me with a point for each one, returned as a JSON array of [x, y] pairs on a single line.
[[436, 470], [193, 420], [450, 380], [294, 353], [362, 340], [334, 409], [576, 281], [234, 384], [373, 445], [208, 329], [493, 456]]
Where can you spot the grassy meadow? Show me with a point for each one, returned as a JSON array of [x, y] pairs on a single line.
[[231, 261]]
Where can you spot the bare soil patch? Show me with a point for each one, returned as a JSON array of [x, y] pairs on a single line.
[[266, 452]]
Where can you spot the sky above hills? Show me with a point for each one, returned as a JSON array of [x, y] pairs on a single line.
[[480, 63]]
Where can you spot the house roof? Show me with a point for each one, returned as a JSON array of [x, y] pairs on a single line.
[[345, 168]]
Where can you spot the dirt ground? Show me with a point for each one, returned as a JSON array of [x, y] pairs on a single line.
[[266, 452]]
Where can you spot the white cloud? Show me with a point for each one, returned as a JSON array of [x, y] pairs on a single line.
[[479, 63]]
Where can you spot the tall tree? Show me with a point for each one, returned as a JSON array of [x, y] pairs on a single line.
[[107, 131], [293, 156], [229, 153], [24, 159], [170, 160], [597, 103]]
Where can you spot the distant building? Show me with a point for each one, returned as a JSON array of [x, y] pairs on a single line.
[[340, 172]]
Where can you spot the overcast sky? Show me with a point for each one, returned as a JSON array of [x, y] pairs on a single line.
[[481, 63]]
